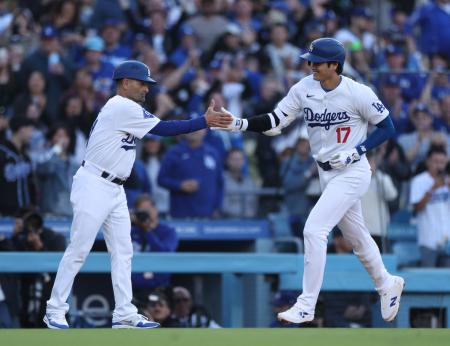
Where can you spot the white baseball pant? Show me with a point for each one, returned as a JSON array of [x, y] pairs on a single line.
[[339, 205], [97, 202]]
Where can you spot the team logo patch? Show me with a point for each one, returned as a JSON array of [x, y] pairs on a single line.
[[378, 106], [147, 114]]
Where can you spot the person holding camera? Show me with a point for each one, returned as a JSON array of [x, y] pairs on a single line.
[[29, 234], [430, 198], [148, 235]]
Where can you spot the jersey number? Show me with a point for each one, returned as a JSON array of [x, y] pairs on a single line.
[[342, 134]]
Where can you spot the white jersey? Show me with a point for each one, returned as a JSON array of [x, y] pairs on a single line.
[[112, 141], [432, 229], [336, 120]]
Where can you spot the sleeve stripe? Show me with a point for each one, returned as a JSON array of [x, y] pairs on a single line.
[[274, 121]]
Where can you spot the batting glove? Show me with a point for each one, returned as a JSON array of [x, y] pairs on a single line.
[[235, 125], [342, 159]]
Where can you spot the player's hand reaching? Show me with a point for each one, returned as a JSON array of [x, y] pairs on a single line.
[[235, 124], [344, 158], [220, 119]]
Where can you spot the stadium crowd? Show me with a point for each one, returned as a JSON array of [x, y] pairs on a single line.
[[56, 63]]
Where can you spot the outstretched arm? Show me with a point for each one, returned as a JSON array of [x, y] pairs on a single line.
[[269, 124], [178, 127]]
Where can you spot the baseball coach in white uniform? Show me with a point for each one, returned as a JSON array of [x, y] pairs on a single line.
[[98, 197], [336, 111]]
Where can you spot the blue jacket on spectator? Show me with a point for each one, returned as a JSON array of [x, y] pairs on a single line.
[[434, 28], [203, 164], [137, 183], [163, 238]]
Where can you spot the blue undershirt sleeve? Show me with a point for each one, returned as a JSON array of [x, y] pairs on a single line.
[[178, 127], [385, 130]]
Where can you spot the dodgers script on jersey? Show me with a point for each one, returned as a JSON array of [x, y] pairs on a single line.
[[112, 141], [336, 120]]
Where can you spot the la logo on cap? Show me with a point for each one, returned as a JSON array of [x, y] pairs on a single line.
[[148, 72], [311, 47]]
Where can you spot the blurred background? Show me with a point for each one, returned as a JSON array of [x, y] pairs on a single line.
[[240, 192]]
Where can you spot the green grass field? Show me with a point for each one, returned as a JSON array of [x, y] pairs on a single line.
[[227, 337]]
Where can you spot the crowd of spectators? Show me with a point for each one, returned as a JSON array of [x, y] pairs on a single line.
[[56, 63]]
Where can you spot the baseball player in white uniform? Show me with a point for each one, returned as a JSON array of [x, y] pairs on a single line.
[[98, 197], [337, 111]]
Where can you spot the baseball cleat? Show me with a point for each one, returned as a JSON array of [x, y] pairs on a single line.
[[295, 315], [136, 322], [390, 299], [54, 321]]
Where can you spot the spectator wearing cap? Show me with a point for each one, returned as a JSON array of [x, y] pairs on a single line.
[[358, 38], [281, 301], [438, 82], [104, 10], [17, 182], [149, 235], [114, 51], [297, 171], [155, 306], [228, 46], [391, 95], [187, 45], [50, 61], [193, 173], [188, 315], [430, 199], [153, 149], [208, 25], [358, 35], [417, 143], [432, 19], [155, 27], [100, 70]]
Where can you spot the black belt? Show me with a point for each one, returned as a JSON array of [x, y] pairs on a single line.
[[106, 175], [325, 165]]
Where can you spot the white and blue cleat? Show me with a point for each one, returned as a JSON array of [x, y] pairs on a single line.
[[136, 322], [54, 321], [295, 315], [390, 299]]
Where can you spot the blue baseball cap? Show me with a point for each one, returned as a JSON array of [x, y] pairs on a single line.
[[152, 137], [186, 30], [391, 80], [49, 32], [361, 11], [393, 49], [94, 43]]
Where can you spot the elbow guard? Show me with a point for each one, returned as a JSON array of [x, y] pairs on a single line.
[[279, 120]]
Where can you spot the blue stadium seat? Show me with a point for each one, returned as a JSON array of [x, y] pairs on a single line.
[[407, 252], [401, 231]]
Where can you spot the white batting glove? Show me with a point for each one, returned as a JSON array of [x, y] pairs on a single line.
[[344, 158], [234, 126]]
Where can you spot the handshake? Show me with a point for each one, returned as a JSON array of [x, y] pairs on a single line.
[[241, 125]]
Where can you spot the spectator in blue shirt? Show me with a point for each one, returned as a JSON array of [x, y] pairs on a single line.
[[433, 19], [148, 235], [137, 183], [193, 173], [114, 51], [100, 70]]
